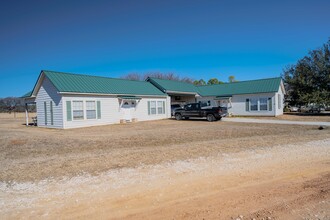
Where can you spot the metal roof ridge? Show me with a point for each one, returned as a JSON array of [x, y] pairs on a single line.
[[226, 83], [105, 77]]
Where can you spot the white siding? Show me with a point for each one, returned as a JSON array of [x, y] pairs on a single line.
[[279, 103], [239, 102], [47, 93], [111, 112], [237, 106]]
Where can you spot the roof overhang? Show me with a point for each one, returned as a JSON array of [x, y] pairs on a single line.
[[222, 97], [180, 93], [129, 97], [114, 95], [29, 100]]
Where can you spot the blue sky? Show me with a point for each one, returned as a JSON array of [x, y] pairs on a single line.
[[198, 39]]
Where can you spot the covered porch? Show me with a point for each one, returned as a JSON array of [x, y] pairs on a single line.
[[28, 102]]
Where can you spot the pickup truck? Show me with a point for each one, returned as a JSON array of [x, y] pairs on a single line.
[[195, 110]]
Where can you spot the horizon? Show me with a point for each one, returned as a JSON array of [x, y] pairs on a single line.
[[249, 40]]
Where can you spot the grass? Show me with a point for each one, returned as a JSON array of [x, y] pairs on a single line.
[[33, 154]]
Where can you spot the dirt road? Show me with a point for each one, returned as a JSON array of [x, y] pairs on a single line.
[[283, 182]]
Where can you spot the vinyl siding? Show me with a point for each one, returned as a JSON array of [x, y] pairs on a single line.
[[277, 110], [111, 113], [238, 104], [48, 93]]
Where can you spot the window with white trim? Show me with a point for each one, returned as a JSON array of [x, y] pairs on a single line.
[[90, 110], [253, 104], [78, 110], [156, 107], [160, 107], [263, 104], [152, 107], [258, 104]]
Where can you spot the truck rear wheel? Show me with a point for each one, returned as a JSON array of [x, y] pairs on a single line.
[[210, 117], [178, 116]]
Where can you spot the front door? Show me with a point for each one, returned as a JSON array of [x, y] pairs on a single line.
[[126, 108]]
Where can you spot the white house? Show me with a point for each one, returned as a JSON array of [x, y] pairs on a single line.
[[262, 97], [66, 100]]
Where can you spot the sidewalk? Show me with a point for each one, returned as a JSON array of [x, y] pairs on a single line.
[[267, 121]]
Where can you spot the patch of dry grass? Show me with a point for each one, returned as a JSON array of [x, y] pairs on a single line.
[[32, 154], [17, 115]]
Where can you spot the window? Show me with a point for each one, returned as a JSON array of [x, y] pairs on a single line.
[[78, 110], [156, 107], [270, 104], [247, 105], [259, 104], [90, 110], [263, 104], [160, 107], [152, 107], [254, 104]]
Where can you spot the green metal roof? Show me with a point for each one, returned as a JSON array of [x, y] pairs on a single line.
[[76, 83], [26, 95], [243, 87], [173, 86]]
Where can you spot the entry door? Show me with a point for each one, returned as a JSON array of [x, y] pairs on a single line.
[[127, 110]]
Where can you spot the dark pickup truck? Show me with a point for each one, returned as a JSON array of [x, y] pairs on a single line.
[[195, 110]]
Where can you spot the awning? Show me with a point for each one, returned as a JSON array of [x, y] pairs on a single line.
[[222, 97], [129, 97]]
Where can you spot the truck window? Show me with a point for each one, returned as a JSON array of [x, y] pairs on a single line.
[[195, 106]]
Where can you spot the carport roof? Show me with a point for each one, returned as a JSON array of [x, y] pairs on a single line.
[[173, 86]]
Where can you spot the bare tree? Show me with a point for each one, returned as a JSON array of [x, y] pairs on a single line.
[[133, 76], [158, 75]]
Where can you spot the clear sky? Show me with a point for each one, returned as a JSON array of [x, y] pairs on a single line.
[[199, 39]]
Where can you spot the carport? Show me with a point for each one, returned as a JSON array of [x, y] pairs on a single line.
[[180, 92]]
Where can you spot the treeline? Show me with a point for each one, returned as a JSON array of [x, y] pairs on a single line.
[[13, 104], [173, 76], [308, 81]]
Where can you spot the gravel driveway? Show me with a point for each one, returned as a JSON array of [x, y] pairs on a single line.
[[265, 121]]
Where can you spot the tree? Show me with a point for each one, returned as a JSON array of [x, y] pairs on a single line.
[[308, 81], [133, 76], [200, 82], [231, 79], [214, 81], [158, 75]]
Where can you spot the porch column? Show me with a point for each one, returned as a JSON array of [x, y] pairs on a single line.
[[26, 115]]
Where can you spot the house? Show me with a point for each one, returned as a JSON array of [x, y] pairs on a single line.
[[179, 92], [66, 100], [262, 97]]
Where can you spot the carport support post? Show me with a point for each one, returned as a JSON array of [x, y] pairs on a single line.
[[26, 114]]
